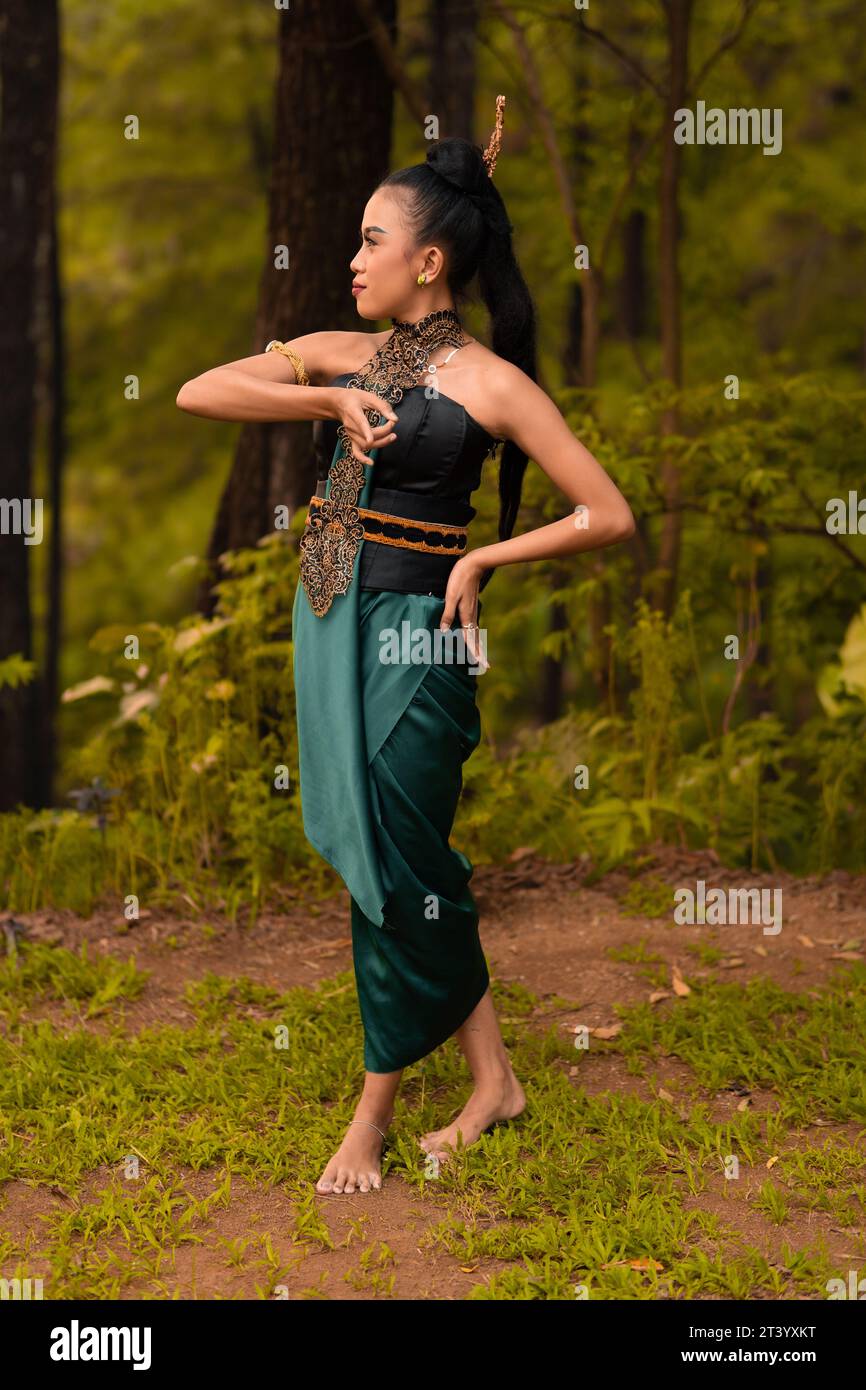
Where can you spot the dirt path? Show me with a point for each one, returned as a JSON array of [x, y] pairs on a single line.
[[543, 927]]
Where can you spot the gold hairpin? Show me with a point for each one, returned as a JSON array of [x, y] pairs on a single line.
[[492, 151]]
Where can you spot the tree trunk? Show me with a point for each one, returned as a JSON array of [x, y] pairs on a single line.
[[29, 65], [679, 14], [55, 444], [331, 142], [590, 290], [633, 288], [634, 317], [452, 71], [761, 694]]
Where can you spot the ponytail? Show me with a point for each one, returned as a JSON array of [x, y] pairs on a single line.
[[453, 202]]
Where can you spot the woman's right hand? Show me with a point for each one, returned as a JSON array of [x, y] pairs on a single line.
[[349, 407]]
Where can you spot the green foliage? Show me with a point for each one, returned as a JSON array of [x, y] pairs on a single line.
[[184, 793], [43, 972], [592, 1187], [200, 758], [845, 679], [162, 239], [15, 670], [53, 857], [765, 761], [648, 896]]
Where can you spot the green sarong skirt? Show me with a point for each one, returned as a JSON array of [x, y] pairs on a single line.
[[381, 746]]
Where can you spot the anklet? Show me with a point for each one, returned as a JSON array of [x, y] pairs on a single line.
[[367, 1122]]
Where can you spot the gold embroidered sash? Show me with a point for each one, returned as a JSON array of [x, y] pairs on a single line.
[[429, 537], [335, 529]]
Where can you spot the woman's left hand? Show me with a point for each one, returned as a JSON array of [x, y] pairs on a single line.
[[461, 606]]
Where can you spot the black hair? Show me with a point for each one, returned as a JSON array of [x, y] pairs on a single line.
[[453, 201]]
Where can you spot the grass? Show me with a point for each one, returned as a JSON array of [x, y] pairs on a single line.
[[587, 1195]]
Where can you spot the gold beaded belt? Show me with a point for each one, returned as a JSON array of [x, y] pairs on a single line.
[[432, 537]]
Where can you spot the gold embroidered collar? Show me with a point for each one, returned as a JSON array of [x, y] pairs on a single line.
[[334, 530]]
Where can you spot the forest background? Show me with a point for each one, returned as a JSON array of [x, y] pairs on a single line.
[[701, 326]]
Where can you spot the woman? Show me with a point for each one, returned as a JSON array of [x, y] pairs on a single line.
[[411, 413]]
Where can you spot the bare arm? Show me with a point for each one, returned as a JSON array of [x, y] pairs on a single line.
[[263, 388], [229, 393], [601, 515]]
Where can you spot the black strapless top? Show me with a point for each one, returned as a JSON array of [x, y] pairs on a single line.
[[439, 452]]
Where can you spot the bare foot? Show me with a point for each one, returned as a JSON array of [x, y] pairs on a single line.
[[356, 1161], [484, 1107]]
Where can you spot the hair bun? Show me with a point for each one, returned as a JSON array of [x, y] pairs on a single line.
[[461, 164]]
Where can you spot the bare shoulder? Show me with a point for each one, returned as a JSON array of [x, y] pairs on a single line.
[[354, 350], [503, 378], [507, 390], [527, 415], [324, 354], [330, 352]]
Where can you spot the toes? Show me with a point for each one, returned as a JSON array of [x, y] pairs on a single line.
[[326, 1181], [337, 1178]]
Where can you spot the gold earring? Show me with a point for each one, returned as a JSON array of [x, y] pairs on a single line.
[[422, 278]]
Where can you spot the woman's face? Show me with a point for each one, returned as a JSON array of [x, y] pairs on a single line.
[[388, 263]]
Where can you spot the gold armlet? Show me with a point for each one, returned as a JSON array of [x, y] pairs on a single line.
[[297, 361]]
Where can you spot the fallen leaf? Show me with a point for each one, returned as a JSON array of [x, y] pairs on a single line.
[[744, 1103], [805, 940], [659, 994], [328, 946], [771, 1161], [846, 955], [605, 1033], [731, 963], [679, 984], [663, 1094], [643, 1263], [760, 950]]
